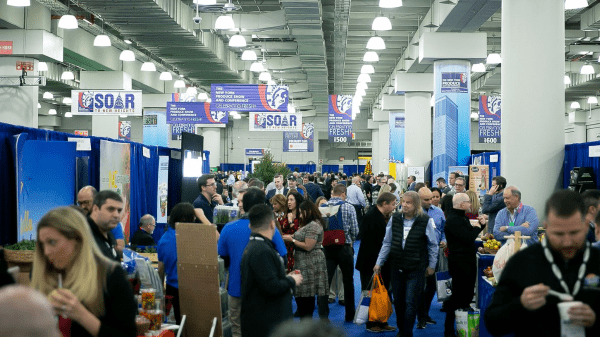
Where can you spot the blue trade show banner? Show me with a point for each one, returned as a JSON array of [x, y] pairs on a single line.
[[254, 152], [106, 102], [490, 108], [451, 122], [249, 97], [397, 132], [177, 129], [304, 141], [340, 118], [156, 129], [275, 122], [194, 113], [182, 97], [45, 177]]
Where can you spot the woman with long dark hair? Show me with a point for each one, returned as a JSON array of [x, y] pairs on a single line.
[[291, 223], [309, 258]]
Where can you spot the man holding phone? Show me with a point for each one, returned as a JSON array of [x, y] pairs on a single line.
[[208, 198], [493, 201]]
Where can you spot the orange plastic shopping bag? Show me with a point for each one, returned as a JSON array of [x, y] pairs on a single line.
[[380, 308]]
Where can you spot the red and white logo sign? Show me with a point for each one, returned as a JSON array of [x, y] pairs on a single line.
[[81, 132], [23, 65], [6, 47]]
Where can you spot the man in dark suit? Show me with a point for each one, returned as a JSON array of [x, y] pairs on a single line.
[[279, 189], [143, 236], [314, 191], [372, 229]]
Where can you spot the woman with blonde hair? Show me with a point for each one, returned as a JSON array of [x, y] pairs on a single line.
[[279, 203], [89, 292], [475, 204]]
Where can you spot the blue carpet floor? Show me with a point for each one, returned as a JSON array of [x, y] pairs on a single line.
[[337, 313]]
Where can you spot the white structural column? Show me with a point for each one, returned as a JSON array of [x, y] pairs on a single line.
[[384, 147], [105, 126], [375, 162], [417, 142], [533, 98], [212, 143]]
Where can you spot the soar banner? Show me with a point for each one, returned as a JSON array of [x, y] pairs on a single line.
[[490, 108], [105, 102], [397, 132], [275, 122], [249, 97], [115, 174], [304, 141], [194, 113], [340, 118]]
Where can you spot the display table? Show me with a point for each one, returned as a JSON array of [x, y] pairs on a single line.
[[484, 290]]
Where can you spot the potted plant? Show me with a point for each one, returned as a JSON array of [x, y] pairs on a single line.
[[20, 252]]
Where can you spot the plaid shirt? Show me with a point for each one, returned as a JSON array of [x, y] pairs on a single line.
[[348, 218]]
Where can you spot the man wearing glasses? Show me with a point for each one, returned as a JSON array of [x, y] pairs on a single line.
[[208, 198], [143, 236], [459, 185], [462, 258], [85, 198]]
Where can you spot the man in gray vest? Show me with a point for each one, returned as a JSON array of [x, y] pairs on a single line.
[[412, 243]]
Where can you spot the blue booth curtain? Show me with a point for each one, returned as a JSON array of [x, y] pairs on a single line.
[[232, 167], [577, 155], [330, 168], [310, 168]]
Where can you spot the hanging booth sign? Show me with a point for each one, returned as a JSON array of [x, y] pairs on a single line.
[[397, 132], [275, 122], [6, 47], [454, 82], [303, 141], [249, 97], [254, 152], [81, 133], [125, 130], [490, 108], [479, 177], [418, 172], [182, 97], [177, 129], [194, 113], [106, 102], [340, 118]]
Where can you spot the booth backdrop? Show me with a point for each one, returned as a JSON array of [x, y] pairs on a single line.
[[578, 155]]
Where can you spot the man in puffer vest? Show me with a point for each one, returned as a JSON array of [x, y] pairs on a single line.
[[412, 244]]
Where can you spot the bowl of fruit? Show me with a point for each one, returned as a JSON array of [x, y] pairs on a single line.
[[490, 245]]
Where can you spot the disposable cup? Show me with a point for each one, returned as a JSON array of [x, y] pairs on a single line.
[[563, 310], [567, 328]]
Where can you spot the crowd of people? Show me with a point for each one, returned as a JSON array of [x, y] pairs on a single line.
[[295, 237]]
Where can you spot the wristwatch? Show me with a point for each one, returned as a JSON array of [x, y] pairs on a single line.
[[293, 241]]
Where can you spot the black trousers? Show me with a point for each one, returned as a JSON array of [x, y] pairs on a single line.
[[463, 273], [426, 298], [306, 306], [172, 291], [342, 256]]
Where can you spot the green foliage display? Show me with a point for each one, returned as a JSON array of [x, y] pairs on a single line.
[[267, 169], [23, 245]]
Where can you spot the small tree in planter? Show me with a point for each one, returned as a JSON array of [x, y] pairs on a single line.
[[266, 169]]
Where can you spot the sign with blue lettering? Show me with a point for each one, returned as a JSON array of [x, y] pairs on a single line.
[[490, 108], [177, 129], [194, 113], [275, 122], [249, 97], [303, 141], [340, 118], [397, 135], [106, 102], [454, 82], [254, 152]]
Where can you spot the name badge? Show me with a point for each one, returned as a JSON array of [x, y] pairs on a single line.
[[406, 230], [512, 223]]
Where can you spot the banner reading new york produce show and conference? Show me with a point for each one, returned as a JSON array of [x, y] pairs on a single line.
[[115, 174], [194, 113], [249, 97], [490, 108], [300, 141], [340, 118]]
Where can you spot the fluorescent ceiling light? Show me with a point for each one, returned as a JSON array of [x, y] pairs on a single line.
[[587, 69], [191, 91], [264, 76], [376, 43], [362, 85], [237, 116], [102, 41], [248, 55], [19, 3], [127, 41], [52, 112], [367, 69], [68, 114], [67, 100], [371, 56], [478, 68], [67, 21], [148, 66], [166, 76], [257, 67], [575, 4], [575, 105], [67, 75], [179, 84], [127, 56], [390, 3], [48, 95], [592, 100], [381, 23], [224, 22], [494, 58], [363, 78], [237, 41], [360, 92], [567, 79], [203, 96], [42, 66], [291, 109]]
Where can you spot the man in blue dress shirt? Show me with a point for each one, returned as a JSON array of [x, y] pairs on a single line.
[[516, 217]]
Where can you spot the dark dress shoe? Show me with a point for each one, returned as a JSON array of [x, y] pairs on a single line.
[[421, 325], [342, 302], [430, 321]]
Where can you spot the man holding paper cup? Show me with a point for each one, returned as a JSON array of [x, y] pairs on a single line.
[[527, 301]]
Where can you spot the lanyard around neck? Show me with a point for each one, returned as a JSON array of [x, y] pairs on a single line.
[[558, 273]]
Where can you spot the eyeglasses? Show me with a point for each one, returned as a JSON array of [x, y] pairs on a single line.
[[82, 203], [461, 185], [213, 184]]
